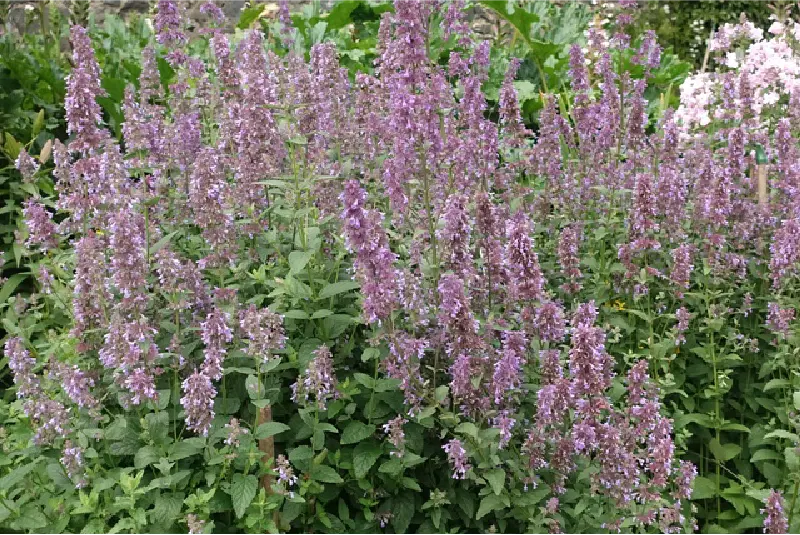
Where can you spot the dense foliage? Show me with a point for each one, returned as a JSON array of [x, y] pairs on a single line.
[[287, 279]]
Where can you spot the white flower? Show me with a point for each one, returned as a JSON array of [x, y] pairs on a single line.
[[776, 28], [731, 61], [771, 98]]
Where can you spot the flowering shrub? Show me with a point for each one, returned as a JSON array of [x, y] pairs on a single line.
[[291, 300]]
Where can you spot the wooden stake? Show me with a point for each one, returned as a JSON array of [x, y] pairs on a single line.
[[763, 195], [267, 448]]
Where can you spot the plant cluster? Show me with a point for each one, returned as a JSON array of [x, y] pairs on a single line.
[[275, 296]]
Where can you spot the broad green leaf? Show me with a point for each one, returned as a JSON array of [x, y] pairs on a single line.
[[356, 432], [300, 453], [782, 433], [184, 449], [489, 504], [364, 457], [703, 488], [146, 456], [298, 260], [162, 242], [496, 479], [777, 383], [765, 454], [518, 16], [467, 428], [724, 452], [403, 508], [248, 15], [297, 315], [339, 16], [325, 474], [167, 508], [337, 288], [242, 491], [38, 123], [270, 429], [10, 285]]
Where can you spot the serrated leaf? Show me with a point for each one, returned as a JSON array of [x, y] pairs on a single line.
[[783, 434], [242, 491], [703, 488], [402, 507], [145, 457], [325, 474], [518, 17], [356, 432], [364, 457], [489, 504], [496, 479], [298, 260], [162, 242], [724, 452], [10, 285], [776, 383], [337, 288], [167, 508], [270, 429], [765, 454], [184, 449], [467, 428]]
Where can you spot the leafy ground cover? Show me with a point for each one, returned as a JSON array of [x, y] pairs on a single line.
[[301, 278]]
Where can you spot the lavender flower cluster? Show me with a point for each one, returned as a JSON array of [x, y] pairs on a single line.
[[458, 275]]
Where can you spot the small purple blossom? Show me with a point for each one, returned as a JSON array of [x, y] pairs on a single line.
[[41, 229], [779, 319], [457, 456], [264, 332], [397, 437], [318, 380], [775, 514], [234, 431], [198, 402]]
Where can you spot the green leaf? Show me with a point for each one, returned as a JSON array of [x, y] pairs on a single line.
[[248, 16], [777, 383], [724, 452], [765, 454], [403, 508], [489, 504], [270, 429], [145, 457], [339, 16], [364, 457], [10, 285], [467, 428], [12, 146], [703, 488], [38, 123], [356, 432], [184, 449], [518, 17], [300, 453], [242, 491], [496, 479], [298, 260], [162, 242], [167, 508], [782, 433], [296, 315], [730, 426], [337, 288], [325, 474]]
